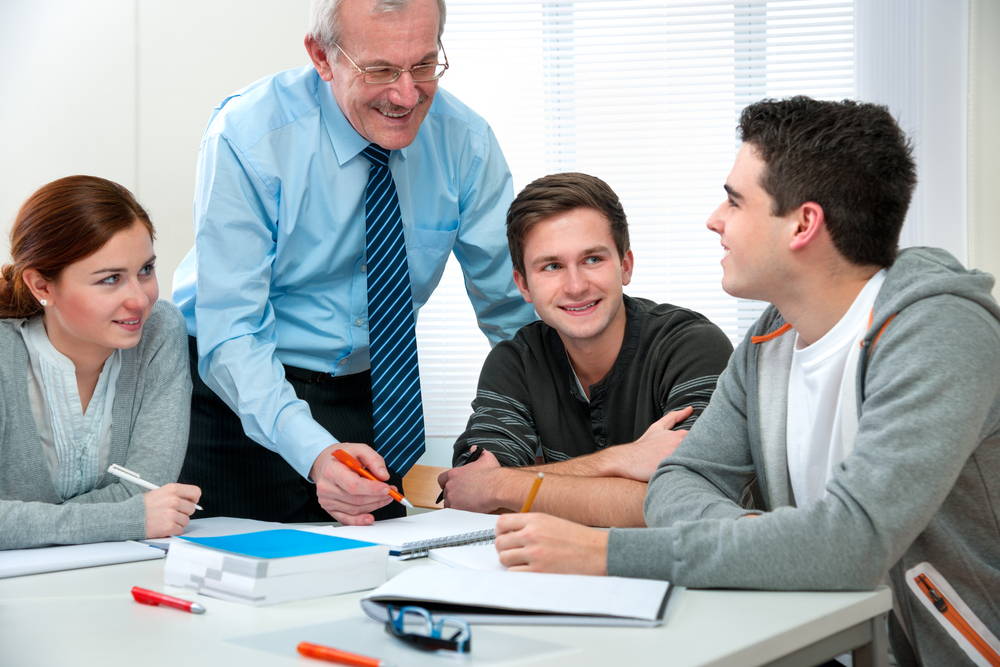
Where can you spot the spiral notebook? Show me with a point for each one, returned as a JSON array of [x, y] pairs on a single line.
[[414, 536]]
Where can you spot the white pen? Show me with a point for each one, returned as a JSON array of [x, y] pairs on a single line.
[[130, 476]]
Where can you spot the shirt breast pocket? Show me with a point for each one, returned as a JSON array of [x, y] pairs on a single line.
[[427, 253]]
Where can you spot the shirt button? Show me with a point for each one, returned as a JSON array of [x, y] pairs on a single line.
[[601, 442], [364, 267], [358, 321], [343, 361]]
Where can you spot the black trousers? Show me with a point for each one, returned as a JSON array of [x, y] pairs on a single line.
[[240, 478]]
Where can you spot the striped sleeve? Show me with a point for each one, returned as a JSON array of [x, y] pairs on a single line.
[[502, 425], [501, 421], [695, 392], [691, 358]]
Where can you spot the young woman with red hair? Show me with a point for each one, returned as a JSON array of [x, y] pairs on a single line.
[[94, 372]]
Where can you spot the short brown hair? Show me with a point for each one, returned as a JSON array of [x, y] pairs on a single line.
[[849, 157], [558, 193], [62, 223]]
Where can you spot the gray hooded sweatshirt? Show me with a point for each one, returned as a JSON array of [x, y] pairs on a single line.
[[919, 493]]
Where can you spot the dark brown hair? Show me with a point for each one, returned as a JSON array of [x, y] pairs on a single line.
[[558, 193], [62, 223], [851, 158]]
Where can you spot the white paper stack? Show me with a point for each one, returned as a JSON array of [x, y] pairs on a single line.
[[274, 566], [516, 598], [17, 562]]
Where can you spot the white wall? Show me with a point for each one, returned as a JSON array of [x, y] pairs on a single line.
[[912, 55], [944, 158], [67, 95], [192, 54], [984, 137], [123, 89]]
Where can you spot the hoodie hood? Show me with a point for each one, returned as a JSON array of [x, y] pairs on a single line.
[[922, 273]]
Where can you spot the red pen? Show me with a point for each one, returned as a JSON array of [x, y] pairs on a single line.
[[153, 598], [356, 466], [336, 655]]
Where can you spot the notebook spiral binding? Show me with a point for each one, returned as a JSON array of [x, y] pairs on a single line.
[[421, 549]]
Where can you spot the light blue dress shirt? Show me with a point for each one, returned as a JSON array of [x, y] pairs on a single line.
[[277, 274]]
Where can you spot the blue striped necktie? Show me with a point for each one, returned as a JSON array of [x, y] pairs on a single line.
[[396, 406]]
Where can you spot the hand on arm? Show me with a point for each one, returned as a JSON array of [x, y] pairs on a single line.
[[636, 460], [169, 509], [606, 488], [346, 495], [541, 543]]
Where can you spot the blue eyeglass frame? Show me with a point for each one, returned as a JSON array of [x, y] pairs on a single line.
[[460, 642]]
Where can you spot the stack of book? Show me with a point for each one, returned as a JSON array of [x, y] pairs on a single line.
[[274, 566]]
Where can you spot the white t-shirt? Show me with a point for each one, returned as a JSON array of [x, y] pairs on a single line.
[[820, 375]]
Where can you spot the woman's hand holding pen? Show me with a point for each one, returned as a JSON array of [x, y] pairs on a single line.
[[169, 509]]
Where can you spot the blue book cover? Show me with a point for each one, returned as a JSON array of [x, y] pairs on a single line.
[[280, 543]]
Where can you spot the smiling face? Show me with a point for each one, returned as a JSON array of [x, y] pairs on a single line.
[[386, 114], [574, 278], [101, 302], [751, 236]]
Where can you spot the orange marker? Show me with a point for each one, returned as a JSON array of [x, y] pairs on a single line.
[[356, 466], [335, 655]]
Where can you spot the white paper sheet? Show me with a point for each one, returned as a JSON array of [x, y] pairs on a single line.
[[474, 557], [563, 599], [17, 562]]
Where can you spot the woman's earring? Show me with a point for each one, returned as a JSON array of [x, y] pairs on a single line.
[[44, 303]]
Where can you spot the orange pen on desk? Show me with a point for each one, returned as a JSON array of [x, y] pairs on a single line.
[[336, 655], [356, 466]]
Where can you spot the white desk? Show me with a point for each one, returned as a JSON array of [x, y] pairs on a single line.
[[87, 617]]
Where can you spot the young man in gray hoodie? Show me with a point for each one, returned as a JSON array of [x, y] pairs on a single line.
[[862, 409]]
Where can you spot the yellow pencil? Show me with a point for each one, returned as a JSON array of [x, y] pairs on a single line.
[[532, 493]]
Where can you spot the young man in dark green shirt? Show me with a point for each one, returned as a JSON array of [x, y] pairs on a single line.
[[592, 393]]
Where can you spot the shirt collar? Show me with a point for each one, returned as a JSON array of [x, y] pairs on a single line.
[[347, 142], [630, 345]]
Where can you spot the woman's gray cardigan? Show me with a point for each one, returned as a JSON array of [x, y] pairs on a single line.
[[148, 435]]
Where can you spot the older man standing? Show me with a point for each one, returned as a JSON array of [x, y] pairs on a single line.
[[328, 200]]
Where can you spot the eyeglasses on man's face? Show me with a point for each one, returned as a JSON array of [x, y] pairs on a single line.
[[383, 75], [415, 626]]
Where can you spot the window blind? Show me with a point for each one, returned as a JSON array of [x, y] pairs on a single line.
[[645, 95]]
